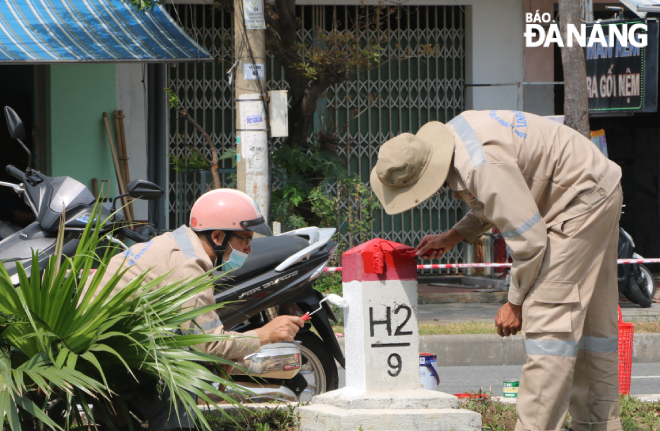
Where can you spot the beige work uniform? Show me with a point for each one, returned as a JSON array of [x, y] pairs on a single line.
[[182, 252], [557, 201]]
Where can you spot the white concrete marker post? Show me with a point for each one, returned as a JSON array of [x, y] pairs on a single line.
[[382, 352]]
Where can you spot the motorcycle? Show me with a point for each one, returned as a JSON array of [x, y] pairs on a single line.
[[50, 198], [278, 278], [635, 281]]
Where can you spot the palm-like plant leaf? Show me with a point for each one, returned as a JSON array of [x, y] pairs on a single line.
[[57, 337]]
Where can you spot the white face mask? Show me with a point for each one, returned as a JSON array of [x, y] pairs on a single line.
[[236, 259]]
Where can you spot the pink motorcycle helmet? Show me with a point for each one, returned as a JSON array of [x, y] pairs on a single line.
[[228, 210]]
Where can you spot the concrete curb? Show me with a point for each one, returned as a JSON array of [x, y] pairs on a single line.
[[651, 398], [468, 280], [491, 349], [463, 297]]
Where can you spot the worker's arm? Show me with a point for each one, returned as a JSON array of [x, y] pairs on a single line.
[[509, 204], [471, 227], [234, 347], [468, 229], [238, 345]]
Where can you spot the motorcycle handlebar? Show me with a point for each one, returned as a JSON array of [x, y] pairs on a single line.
[[15, 172], [134, 236]]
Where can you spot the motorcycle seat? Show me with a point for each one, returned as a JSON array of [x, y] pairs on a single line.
[[266, 254], [20, 245]]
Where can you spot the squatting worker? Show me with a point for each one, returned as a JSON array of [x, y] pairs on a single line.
[[557, 201], [222, 224]]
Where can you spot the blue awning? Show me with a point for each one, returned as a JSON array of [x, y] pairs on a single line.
[[100, 31]]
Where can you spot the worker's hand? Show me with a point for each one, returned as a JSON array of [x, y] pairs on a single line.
[[434, 246], [282, 328], [509, 319]]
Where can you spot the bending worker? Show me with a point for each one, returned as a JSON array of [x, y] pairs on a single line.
[[557, 201], [222, 224]]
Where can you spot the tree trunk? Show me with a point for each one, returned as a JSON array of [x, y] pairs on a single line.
[[301, 118], [304, 96], [214, 153], [576, 102]]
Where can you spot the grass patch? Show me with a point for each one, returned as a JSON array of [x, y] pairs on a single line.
[[644, 327], [277, 418], [635, 414], [638, 415], [461, 328], [458, 328], [495, 416]]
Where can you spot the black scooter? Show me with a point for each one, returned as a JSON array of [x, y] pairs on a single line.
[[635, 280], [278, 278]]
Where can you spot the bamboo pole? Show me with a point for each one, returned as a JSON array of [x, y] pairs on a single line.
[[123, 154], [120, 179]]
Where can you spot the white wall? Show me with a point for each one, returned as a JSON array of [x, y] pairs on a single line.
[[132, 99], [494, 53]]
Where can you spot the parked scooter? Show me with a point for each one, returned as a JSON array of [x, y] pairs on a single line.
[[278, 278], [635, 280], [49, 198]]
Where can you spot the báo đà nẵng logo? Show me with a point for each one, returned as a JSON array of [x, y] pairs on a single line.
[[537, 35]]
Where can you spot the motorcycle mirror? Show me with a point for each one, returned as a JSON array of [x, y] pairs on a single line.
[[16, 126], [141, 189]]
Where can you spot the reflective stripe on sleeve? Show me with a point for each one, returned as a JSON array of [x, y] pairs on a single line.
[[551, 347], [524, 228], [183, 241], [599, 344], [470, 140], [206, 326]]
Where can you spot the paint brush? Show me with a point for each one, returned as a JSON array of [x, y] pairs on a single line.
[[335, 299]]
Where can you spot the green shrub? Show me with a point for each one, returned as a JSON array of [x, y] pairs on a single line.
[[329, 282], [60, 346]]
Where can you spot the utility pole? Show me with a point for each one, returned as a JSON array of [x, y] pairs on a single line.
[[576, 102], [250, 95]]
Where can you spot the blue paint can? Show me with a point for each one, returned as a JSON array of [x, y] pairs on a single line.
[[428, 371]]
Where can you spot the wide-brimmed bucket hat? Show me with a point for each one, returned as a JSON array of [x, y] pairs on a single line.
[[411, 168]]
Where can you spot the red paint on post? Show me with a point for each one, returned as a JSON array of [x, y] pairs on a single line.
[[379, 259]]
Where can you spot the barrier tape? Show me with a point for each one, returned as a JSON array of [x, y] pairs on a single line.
[[470, 265], [494, 265]]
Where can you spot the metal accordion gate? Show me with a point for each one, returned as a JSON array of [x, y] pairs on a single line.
[[367, 109]]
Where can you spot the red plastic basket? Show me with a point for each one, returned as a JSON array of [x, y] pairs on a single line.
[[626, 332]]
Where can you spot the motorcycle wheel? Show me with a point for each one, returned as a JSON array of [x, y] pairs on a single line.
[[318, 366], [650, 281], [641, 295]]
